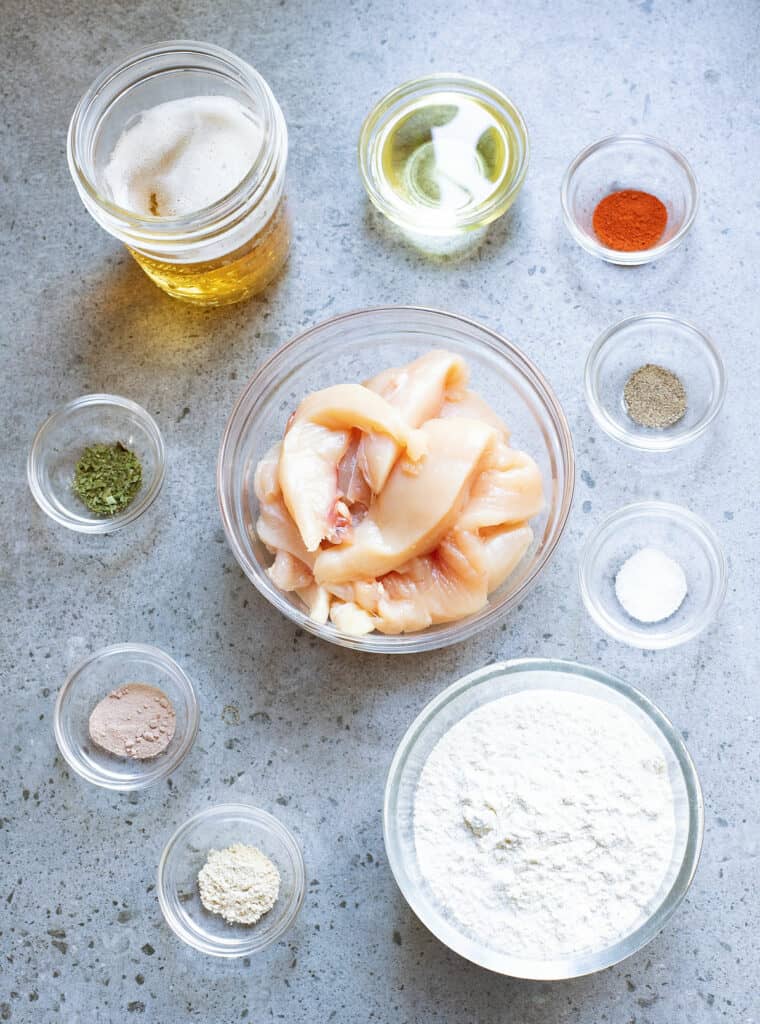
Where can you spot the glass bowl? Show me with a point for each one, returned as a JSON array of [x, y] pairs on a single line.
[[678, 533], [62, 438], [96, 677], [474, 691], [629, 162], [446, 90], [666, 341], [354, 347], [185, 854]]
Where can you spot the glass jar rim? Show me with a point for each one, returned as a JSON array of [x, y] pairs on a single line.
[[225, 212]]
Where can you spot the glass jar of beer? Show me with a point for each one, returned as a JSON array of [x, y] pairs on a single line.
[[179, 152]]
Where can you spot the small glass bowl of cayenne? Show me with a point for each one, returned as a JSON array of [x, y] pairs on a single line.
[[637, 162]]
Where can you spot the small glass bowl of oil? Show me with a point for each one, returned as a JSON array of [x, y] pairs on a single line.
[[443, 155]]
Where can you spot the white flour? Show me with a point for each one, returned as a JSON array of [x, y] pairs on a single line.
[[544, 823]]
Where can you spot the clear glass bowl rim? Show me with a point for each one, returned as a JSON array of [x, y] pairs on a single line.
[[183, 747], [259, 817], [614, 255], [655, 443], [631, 636], [498, 203], [452, 633], [575, 965], [144, 498]]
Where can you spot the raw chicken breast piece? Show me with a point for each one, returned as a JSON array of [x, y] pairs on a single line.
[[413, 512], [471, 406], [315, 443], [446, 585], [511, 493], [418, 391]]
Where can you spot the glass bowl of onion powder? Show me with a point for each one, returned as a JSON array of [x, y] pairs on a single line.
[[654, 382], [231, 880], [653, 575]]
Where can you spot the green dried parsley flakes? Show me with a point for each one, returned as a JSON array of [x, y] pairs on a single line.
[[107, 478]]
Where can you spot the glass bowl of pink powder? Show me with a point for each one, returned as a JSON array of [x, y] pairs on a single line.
[[110, 680]]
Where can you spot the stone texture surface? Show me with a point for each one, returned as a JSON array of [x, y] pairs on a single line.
[[294, 725]]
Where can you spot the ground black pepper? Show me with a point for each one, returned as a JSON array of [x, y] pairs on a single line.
[[654, 397]]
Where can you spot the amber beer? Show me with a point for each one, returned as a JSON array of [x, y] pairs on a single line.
[[230, 278], [236, 242]]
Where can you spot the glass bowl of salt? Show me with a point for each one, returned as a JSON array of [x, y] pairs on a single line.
[[653, 575]]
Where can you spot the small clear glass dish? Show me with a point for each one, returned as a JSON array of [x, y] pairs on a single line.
[[637, 162], [96, 677], [185, 854], [459, 137], [666, 341], [682, 536], [59, 444], [480, 688]]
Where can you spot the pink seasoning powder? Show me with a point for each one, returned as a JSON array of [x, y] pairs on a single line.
[[136, 720]]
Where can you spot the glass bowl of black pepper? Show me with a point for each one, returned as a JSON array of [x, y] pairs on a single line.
[[97, 463], [654, 382]]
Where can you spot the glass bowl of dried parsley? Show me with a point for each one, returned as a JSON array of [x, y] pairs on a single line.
[[97, 463], [654, 382]]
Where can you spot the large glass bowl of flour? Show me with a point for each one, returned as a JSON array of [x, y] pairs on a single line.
[[497, 908]]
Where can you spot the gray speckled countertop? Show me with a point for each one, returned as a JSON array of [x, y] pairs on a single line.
[[309, 729]]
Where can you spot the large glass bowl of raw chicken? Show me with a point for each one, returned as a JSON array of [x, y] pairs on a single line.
[[395, 479]]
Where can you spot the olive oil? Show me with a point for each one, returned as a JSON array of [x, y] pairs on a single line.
[[448, 152], [442, 157]]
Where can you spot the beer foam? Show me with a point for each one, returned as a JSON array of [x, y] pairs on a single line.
[[182, 155]]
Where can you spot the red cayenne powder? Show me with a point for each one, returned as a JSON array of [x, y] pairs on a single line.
[[629, 221]]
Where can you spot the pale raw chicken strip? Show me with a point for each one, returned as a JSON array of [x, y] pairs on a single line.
[[509, 490], [418, 391], [446, 585], [471, 406], [503, 551], [275, 527], [288, 573], [350, 618], [413, 512], [277, 531], [315, 443], [266, 482], [317, 600]]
